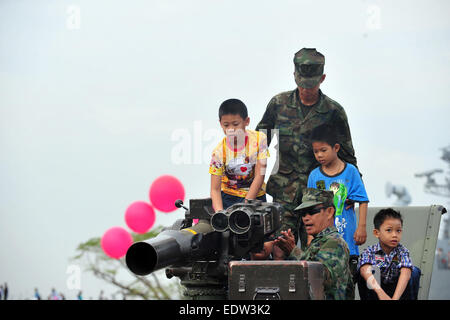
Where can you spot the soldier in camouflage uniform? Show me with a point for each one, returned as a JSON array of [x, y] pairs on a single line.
[[328, 247], [293, 115]]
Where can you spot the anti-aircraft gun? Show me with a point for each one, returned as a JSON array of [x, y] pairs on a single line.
[[199, 254]]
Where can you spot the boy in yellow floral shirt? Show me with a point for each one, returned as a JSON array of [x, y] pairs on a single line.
[[238, 162]]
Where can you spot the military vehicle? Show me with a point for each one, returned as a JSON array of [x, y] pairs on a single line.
[[212, 258]]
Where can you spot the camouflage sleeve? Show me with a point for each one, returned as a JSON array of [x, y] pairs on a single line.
[[335, 259], [296, 254], [346, 152], [267, 122]]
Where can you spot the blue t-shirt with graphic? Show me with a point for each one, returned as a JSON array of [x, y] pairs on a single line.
[[345, 185]]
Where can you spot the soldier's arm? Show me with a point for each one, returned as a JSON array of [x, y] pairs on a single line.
[[286, 242], [296, 254], [267, 122], [346, 152], [334, 257]]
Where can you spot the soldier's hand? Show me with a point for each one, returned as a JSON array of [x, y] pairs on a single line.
[[286, 241], [278, 254], [265, 253]]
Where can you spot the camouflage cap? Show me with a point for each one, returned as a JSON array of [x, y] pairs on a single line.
[[312, 197], [309, 65]]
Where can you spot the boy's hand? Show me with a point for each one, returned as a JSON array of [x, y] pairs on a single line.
[[383, 295], [360, 235], [349, 204]]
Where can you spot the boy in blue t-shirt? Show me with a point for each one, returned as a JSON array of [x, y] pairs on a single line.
[[345, 181]]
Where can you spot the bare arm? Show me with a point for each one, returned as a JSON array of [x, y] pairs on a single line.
[[360, 235], [258, 180], [366, 273], [216, 196], [405, 275]]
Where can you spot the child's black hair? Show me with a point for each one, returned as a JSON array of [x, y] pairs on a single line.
[[233, 106], [324, 133], [384, 214]]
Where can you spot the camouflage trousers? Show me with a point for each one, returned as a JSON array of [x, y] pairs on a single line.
[[286, 188]]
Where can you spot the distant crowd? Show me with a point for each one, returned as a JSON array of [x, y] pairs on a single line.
[[4, 292], [55, 295]]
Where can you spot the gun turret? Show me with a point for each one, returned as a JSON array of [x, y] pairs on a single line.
[[216, 239], [250, 224]]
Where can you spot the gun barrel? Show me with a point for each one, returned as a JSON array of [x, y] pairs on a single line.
[[240, 221], [219, 221], [168, 248], [144, 257]]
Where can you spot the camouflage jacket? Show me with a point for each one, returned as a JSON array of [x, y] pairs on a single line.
[[296, 159], [329, 248]]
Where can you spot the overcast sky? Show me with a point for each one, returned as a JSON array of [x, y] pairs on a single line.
[[94, 96]]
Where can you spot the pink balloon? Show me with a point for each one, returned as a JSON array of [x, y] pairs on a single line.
[[116, 241], [140, 216], [164, 191]]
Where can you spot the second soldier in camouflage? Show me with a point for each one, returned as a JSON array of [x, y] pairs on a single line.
[[292, 115], [327, 247]]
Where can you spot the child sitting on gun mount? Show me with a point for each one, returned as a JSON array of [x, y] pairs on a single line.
[[238, 162], [345, 181], [399, 278]]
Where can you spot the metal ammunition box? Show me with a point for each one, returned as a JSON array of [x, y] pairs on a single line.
[[275, 280]]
